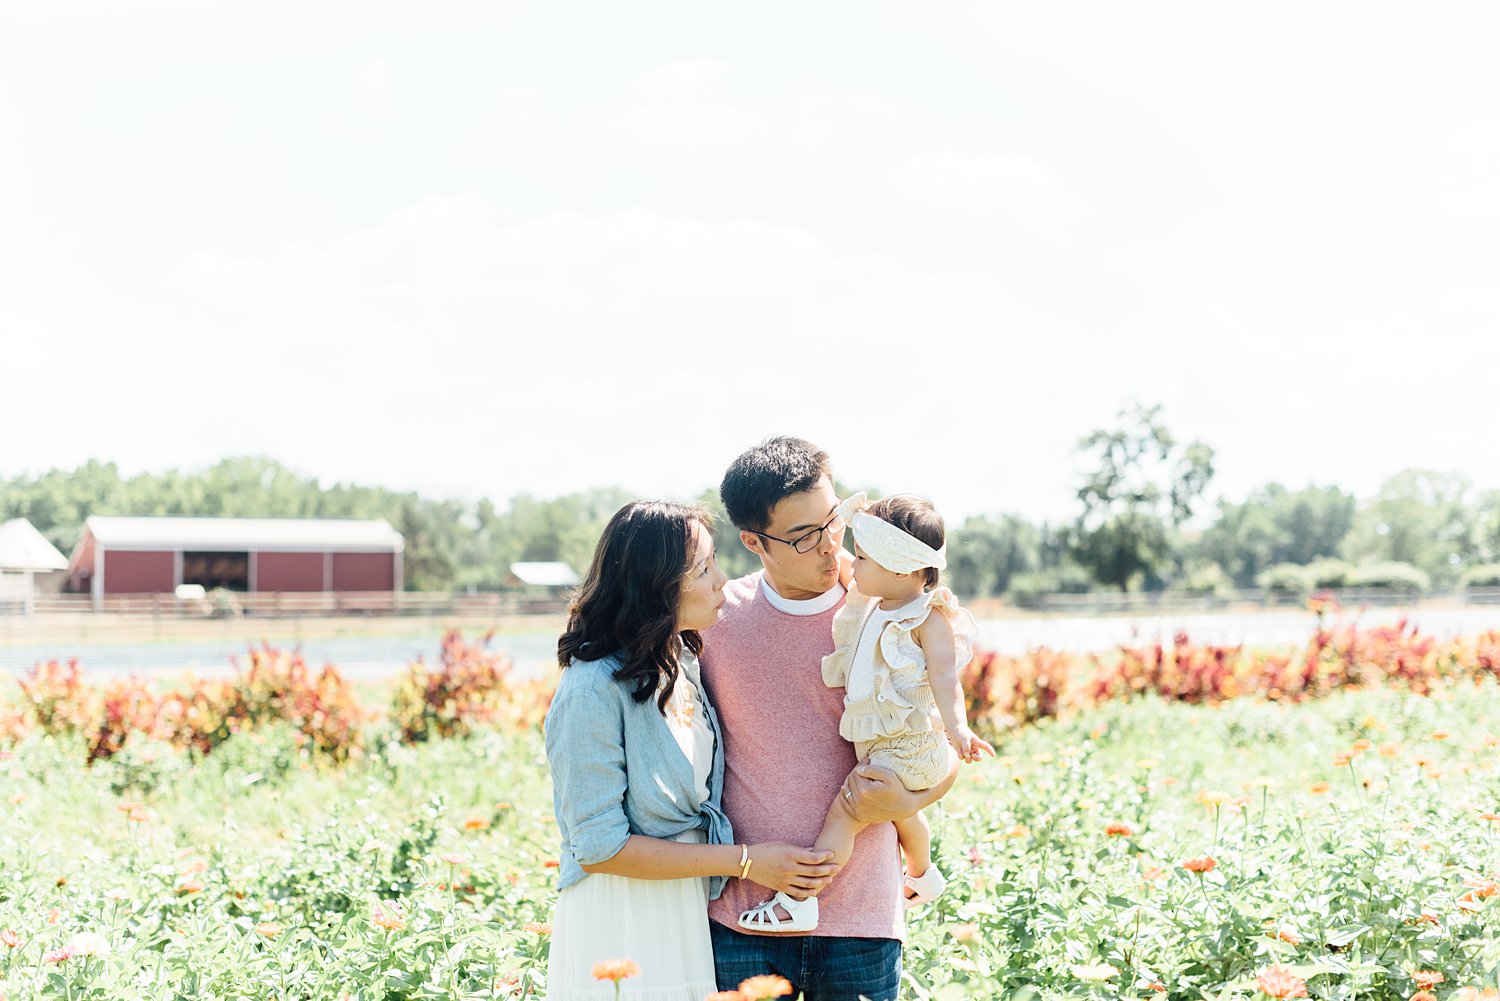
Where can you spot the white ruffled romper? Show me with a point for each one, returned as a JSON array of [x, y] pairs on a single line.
[[890, 714]]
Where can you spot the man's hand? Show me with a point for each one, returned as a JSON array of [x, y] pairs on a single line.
[[876, 796]]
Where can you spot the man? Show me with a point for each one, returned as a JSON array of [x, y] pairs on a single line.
[[784, 758]]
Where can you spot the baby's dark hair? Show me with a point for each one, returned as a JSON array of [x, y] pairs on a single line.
[[918, 518]]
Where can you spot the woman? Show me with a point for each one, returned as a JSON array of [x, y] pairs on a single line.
[[638, 769]]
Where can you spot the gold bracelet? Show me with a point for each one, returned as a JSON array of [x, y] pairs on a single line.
[[744, 861]]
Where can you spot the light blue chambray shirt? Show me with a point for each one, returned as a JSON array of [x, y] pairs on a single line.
[[617, 771]]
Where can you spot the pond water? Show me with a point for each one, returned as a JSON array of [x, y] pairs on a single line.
[[375, 657]]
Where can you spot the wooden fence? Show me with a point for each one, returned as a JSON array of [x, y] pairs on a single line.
[[284, 605]]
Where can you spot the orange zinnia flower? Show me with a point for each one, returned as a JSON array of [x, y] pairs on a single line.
[[1318, 788], [476, 824], [1482, 888], [1200, 865], [1423, 996], [389, 920], [1286, 935], [726, 996], [551, 863], [1342, 758], [767, 986], [537, 927], [967, 933], [1475, 994], [189, 886], [616, 969], [1118, 830], [1427, 979], [1278, 982], [9, 939], [1361, 745], [268, 930]]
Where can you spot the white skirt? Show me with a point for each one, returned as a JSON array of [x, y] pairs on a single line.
[[662, 924]]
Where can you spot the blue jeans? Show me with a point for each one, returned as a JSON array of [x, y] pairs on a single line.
[[822, 968]]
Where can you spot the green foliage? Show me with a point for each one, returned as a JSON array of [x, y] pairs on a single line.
[[1286, 578], [1401, 576], [1132, 508], [1329, 573], [986, 556], [1143, 487], [1026, 589], [1431, 520], [1351, 840], [1201, 578], [1275, 525], [1486, 575]]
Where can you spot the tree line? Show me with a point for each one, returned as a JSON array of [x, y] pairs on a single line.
[[1141, 524]]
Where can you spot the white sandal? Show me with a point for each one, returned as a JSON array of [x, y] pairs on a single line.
[[926, 887], [802, 915]]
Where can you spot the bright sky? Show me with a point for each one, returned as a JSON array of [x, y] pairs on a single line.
[[480, 249]]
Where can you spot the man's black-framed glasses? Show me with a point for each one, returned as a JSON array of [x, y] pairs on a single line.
[[808, 542]]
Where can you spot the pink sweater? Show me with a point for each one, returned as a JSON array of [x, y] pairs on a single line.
[[784, 759]]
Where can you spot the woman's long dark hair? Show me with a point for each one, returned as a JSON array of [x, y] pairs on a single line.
[[628, 603]]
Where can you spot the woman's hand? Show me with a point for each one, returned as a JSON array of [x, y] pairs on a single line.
[[801, 872]]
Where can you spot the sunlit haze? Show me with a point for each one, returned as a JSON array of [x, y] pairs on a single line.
[[485, 249]]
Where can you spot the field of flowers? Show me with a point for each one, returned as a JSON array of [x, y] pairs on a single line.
[[273, 837]]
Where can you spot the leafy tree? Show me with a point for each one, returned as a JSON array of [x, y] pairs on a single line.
[[984, 556], [1429, 519], [1274, 526], [1143, 487]]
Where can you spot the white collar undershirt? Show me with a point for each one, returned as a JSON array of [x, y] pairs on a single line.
[[807, 606]]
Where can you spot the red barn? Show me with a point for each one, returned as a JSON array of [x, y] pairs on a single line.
[[154, 555]]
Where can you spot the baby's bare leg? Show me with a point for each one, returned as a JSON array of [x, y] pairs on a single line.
[[839, 829], [916, 843]]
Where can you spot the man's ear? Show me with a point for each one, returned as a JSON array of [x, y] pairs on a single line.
[[751, 541]]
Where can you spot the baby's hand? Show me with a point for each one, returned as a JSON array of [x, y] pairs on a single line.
[[969, 745]]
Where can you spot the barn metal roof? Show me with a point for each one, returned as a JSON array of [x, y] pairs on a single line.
[[545, 574], [22, 547], [311, 534]]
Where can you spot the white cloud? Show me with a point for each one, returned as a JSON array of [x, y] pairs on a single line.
[[688, 123], [374, 79], [949, 178], [520, 96], [454, 250], [941, 303], [680, 79]]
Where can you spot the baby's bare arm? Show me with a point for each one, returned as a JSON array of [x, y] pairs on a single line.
[[935, 636]]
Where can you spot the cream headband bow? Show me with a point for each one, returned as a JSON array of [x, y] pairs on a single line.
[[885, 543]]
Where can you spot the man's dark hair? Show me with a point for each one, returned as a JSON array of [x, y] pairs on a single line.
[[763, 476]]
